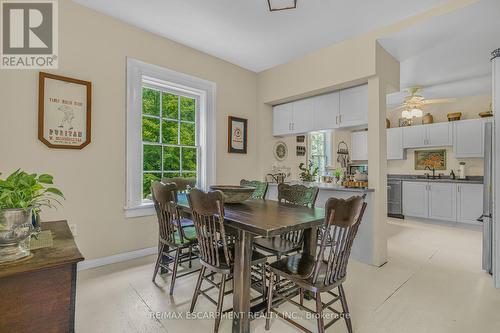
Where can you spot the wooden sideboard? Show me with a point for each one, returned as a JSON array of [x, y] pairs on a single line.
[[38, 293]]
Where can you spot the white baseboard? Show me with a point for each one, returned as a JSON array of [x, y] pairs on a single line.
[[92, 263]]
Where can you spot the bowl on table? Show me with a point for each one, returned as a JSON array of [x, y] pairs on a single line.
[[234, 193]]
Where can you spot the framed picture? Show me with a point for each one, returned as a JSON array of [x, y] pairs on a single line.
[[432, 158], [301, 151], [64, 111], [237, 135], [301, 138], [280, 151]]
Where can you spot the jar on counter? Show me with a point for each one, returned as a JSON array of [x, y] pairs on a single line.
[[461, 170]]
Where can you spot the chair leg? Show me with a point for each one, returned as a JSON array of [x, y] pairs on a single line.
[[158, 260], [190, 265], [269, 301], [319, 312], [345, 309], [174, 271], [197, 288], [220, 301], [264, 293], [301, 293]]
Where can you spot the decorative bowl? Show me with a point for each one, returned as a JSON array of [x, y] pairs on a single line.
[[234, 193]]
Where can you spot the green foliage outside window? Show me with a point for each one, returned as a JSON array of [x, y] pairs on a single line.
[[174, 153]]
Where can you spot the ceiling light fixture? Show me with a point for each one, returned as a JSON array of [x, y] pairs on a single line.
[[276, 5]]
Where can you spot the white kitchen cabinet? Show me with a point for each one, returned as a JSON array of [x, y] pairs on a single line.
[[413, 136], [326, 111], [415, 199], [470, 202], [282, 119], [302, 120], [353, 106], [433, 135], [439, 134], [442, 201], [468, 138], [359, 146], [395, 150]]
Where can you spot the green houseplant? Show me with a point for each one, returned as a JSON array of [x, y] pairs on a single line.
[[22, 195], [308, 173]]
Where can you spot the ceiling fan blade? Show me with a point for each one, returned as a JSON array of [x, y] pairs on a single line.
[[439, 100]]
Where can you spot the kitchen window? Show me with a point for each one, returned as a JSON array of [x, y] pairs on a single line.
[[320, 151], [170, 131]]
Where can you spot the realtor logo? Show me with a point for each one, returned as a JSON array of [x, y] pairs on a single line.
[[29, 34]]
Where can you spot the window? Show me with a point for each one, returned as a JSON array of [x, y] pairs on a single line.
[[169, 135], [320, 150], [170, 131]]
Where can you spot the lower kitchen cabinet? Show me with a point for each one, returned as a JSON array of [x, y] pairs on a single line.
[[470, 202], [442, 201], [415, 199], [454, 202]]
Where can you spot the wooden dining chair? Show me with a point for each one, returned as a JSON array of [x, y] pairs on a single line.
[[324, 272], [260, 188], [290, 242], [216, 251], [173, 236]]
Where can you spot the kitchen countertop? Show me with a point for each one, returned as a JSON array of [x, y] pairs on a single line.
[[329, 187], [444, 179]]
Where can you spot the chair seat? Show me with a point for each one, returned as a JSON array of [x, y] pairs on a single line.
[[277, 245], [189, 233], [299, 268]]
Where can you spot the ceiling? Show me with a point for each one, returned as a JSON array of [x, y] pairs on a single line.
[[245, 33], [448, 55]]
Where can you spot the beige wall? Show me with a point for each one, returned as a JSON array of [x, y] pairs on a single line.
[[470, 107], [94, 47]]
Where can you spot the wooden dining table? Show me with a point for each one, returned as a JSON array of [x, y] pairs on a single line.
[[266, 218]]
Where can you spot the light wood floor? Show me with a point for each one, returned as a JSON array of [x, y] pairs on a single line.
[[433, 282]]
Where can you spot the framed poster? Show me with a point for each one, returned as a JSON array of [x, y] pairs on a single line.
[[435, 159], [64, 111], [237, 135]]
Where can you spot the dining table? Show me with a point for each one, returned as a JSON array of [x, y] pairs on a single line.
[[261, 218]]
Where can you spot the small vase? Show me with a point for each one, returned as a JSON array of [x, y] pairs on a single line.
[[427, 119]]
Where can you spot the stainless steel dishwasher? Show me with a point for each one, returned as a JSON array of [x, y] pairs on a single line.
[[395, 198]]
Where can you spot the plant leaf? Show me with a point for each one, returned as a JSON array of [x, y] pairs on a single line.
[[46, 179]]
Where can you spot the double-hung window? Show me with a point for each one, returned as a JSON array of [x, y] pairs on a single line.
[[170, 131]]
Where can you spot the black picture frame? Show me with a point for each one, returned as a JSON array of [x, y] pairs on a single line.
[[237, 135]]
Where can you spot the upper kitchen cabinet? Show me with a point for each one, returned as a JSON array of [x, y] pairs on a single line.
[[282, 119], [433, 135], [468, 138], [353, 106], [302, 120], [326, 111], [395, 150]]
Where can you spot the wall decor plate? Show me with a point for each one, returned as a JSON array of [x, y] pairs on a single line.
[[280, 151], [237, 135], [64, 106], [430, 158]]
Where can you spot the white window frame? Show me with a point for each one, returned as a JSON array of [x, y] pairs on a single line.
[[205, 92], [327, 143]]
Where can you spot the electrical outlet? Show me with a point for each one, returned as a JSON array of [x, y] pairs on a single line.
[[72, 228]]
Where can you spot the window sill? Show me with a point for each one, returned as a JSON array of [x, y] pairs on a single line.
[[145, 209]]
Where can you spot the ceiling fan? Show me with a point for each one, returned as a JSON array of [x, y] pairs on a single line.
[[414, 103]]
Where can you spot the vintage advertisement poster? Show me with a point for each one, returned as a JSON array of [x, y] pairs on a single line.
[[65, 112]]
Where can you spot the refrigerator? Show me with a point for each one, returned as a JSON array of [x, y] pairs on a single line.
[[487, 217]]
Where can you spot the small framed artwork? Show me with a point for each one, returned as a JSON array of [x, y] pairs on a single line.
[[237, 135], [280, 151], [64, 111], [301, 138], [435, 159], [301, 151]]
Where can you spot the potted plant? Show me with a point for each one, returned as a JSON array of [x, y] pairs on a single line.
[[308, 173], [22, 196]]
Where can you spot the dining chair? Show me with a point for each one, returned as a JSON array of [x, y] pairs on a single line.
[[298, 195], [216, 251], [260, 188], [173, 236], [324, 272]]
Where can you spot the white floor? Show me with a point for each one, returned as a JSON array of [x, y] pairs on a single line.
[[433, 282]]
